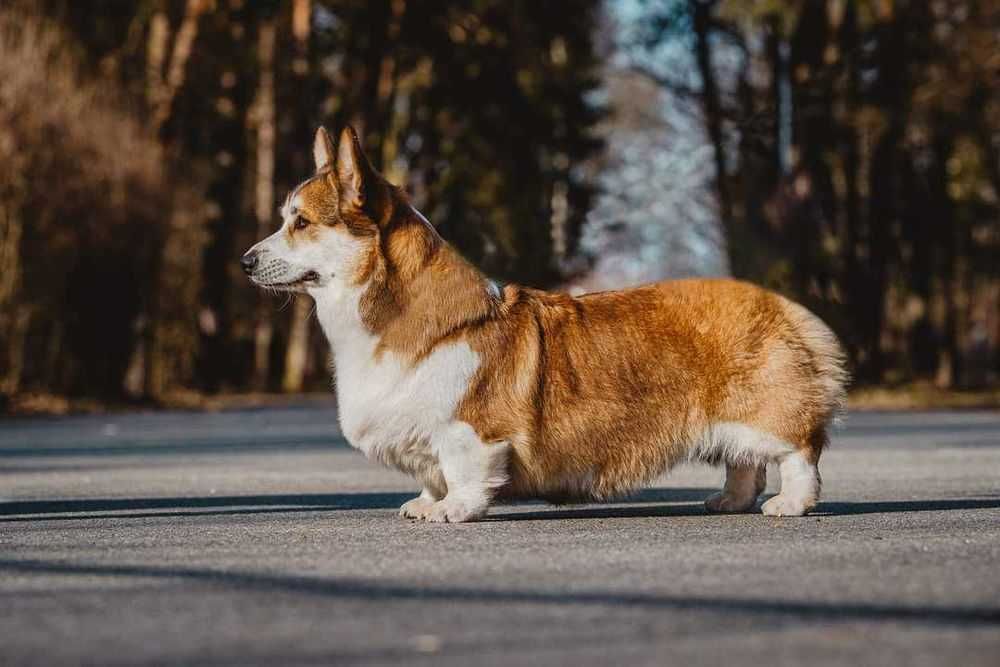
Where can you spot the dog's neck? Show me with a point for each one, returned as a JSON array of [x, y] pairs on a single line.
[[422, 294]]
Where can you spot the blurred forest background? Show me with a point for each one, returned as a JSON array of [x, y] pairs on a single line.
[[844, 153]]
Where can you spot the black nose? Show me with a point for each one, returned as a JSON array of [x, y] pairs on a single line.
[[249, 262]]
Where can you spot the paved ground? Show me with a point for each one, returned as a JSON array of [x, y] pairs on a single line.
[[259, 537]]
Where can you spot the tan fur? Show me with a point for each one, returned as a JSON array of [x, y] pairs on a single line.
[[616, 386], [597, 394]]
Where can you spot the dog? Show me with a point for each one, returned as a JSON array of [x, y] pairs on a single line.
[[486, 392]]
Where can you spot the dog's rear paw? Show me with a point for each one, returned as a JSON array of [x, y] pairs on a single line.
[[720, 503], [453, 510], [418, 508], [784, 505]]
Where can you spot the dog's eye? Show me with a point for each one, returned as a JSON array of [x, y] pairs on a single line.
[[300, 223]]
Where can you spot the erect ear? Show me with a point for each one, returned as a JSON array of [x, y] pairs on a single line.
[[353, 169], [322, 149]]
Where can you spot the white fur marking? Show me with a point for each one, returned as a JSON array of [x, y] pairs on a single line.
[[392, 411], [397, 413], [470, 466], [799, 487], [472, 469], [739, 444]]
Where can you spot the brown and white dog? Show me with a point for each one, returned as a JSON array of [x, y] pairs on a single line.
[[484, 392]]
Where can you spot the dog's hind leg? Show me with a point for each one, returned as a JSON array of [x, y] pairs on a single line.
[[743, 484], [473, 471], [746, 451], [800, 481]]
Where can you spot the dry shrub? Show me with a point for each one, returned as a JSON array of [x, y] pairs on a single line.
[[100, 245]]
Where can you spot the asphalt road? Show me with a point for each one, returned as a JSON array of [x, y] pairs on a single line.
[[259, 537]]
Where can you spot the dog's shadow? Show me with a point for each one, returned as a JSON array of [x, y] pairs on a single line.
[[689, 502], [106, 508], [655, 502], [102, 508]]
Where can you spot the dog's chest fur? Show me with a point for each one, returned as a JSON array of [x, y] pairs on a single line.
[[392, 410]]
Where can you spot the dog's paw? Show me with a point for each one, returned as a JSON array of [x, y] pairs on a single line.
[[418, 508], [453, 510], [783, 505], [720, 503]]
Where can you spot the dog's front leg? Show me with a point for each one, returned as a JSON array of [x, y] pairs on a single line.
[[473, 471]]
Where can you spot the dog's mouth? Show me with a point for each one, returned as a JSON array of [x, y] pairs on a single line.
[[307, 278]]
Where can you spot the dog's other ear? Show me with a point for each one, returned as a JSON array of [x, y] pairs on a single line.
[[353, 169], [322, 149]]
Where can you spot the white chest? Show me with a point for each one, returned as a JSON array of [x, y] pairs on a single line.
[[392, 410]]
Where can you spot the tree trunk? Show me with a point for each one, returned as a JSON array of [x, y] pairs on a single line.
[[296, 352], [177, 68], [701, 11], [852, 281], [147, 366], [949, 354], [386, 91], [264, 194], [156, 57], [13, 315]]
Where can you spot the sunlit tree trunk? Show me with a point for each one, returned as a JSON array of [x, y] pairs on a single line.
[[13, 315], [264, 117], [156, 56], [167, 89], [296, 352], [165, 76]]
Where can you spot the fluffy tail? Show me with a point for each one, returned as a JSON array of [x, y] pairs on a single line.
[[827, 355]]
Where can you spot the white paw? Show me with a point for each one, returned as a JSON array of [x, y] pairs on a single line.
[[453, 510], [782, 505], [720, 503], [418, 508]]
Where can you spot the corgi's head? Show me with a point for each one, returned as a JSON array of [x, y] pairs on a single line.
[[335, 225], [353, 242]]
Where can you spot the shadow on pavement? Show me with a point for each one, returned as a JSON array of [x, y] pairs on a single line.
[[99, 508], [603, 512], [692, 499], [88, 508], [372, 590], [695, 507], [893, 506], [679, 502]]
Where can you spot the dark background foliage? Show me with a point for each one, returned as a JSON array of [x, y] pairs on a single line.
[[851, 154]]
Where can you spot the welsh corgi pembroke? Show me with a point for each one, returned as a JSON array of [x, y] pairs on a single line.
[[485, 392]]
